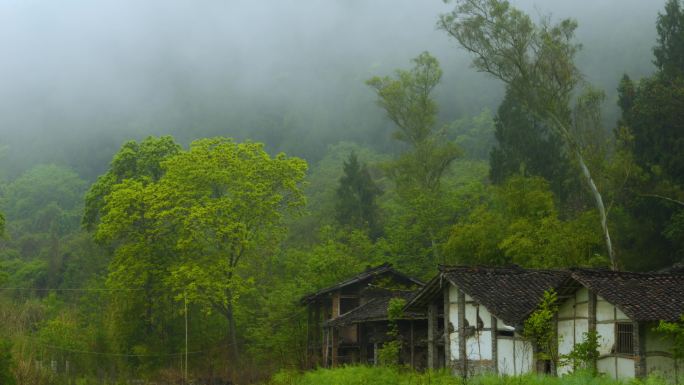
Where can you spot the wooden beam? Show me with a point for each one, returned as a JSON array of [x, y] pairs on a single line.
[[318, 333], [412, 346], [592, 324], [495, 347], [432, 336], [638, 337], [309, 336], [462, 353], [447, 328], [335, 343]]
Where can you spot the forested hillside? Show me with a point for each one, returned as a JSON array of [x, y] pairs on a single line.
[[176, 180]]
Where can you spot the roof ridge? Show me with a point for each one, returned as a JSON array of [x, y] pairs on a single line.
[[605, 271]]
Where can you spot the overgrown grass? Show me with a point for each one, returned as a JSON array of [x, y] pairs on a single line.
[[365, 375]]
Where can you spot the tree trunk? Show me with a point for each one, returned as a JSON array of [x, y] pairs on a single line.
[[598, 199], [232, 336]]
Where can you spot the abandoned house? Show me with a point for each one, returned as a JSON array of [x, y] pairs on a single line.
[[348, 322], [485, 309], [624, 309]]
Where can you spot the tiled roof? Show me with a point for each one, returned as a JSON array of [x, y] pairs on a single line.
[[641, 296], [509, 293], [367, 275], [375, 309]]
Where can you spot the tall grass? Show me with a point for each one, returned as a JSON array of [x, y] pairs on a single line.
[[365, 375]]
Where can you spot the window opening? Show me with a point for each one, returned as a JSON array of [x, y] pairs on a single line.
[[624, 333]]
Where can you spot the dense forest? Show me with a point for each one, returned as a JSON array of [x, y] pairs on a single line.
[[173, 169]]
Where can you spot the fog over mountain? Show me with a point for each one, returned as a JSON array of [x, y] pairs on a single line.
[[79, 77]]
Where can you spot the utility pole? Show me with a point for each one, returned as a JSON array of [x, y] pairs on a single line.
[[185, 298]]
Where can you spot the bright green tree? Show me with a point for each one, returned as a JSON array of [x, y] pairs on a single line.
[[140, 311], [407, 99], [225, 201], [136, 161], [540, 328], [674, 332], [517, 222], [536, 62]]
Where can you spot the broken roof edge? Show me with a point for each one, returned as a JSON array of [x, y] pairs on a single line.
[[425, 294], [366, 274], [343, 319]]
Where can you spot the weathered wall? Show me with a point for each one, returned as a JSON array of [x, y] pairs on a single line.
[[659, 359], [514, 356], [573, 322]]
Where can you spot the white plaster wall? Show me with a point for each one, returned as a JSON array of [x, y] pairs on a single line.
[[524, 356], [571, 332], [573, 315], [453, 318], [504, 350], [625, 368], [478, 345], [606, 317], [616, 367], [514, 356], [606, 334], [658, 359]]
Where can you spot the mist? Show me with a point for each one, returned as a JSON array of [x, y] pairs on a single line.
[[77, 78]]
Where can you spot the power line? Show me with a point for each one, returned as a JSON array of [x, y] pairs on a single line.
[[67, 289], [78, 351], [118, 354]]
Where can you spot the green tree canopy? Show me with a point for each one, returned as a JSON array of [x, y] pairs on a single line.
[[202, 227], [536, 62], [136, 161], [357, 194], [407, 99], [669, 53]]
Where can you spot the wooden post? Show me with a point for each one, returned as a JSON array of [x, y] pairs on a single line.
[[639, 349], [412, 347], [495, 346], [447, 329], [363, 345], [333, 330], [591, 325], [334, 343], [432, 336], [324, 347], [462, 353], [317, 333]]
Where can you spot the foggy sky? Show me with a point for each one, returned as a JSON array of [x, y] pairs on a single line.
[[77, 77]]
